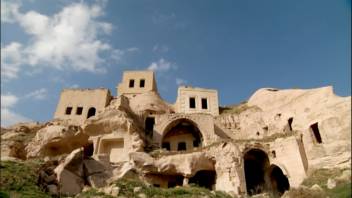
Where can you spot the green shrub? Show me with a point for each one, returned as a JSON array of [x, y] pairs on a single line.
[[18, 179]]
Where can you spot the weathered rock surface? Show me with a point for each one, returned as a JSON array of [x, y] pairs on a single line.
[[55, 139], [76, 169], [15, 138]]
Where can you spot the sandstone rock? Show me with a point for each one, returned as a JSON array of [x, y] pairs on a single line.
[[142, 195], [15, 138], [115, 191], [70, 184], [56, 139], [53, 190], [316, 187], [137, 189], [345, 176], [92, 166], [70, 173], [331, 183], [98, 180]]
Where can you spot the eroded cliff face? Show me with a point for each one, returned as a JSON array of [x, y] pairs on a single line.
[[293, 131], [316, 117]]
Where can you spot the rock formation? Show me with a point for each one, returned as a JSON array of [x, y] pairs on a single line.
[[267, 144]]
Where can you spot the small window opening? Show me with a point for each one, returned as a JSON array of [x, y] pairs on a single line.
[[131, 83], [68, 110], [192, 103], [141, 83], [258, 133], [91, 112], [166, 145], [181, 146], [79, 110], [195, 143], [204, 103], [273, 153], [289, 121], [315, 129], [149, 126], [88, 149]]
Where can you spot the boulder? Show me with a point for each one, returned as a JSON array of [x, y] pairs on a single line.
[[70, 174], [56, 139]]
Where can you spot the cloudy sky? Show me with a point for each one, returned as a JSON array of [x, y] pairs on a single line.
[[230, 45]]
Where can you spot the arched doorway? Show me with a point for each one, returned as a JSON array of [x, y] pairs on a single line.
[[181, 135], [91, 112], [279, 182], [256, 163]]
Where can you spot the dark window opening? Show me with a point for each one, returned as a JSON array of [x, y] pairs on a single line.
[[204, 178], [314, 127], [79, 110], [176, 180], [289, 121], [181, 146], [195, 143], [279, 182], [149, 126], [88, 150], [256, 162], [131, 83], [141, 83], [166, 145], [258, 133], [156, 185], [192, 103], [91, 112], [68, 110], [273, 153], [204, 103]]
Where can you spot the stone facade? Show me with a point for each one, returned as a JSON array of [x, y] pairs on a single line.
[[79, 104], [269, 143], [136, 82]]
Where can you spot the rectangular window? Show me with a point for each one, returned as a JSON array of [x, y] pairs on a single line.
[[166, 145], [315, 129], [79, 110], [181, 146], [131, 83], [141, 83], [195, 143], [68, 110], [192, 103], [204, 103]]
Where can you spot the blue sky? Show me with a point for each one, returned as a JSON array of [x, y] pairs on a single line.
[[233, 46]]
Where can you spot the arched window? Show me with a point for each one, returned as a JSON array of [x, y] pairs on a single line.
[[91, 112]]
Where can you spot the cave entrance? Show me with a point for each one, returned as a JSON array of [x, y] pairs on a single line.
[[279, 182], [256, 162], [180, 135], [204, 178]]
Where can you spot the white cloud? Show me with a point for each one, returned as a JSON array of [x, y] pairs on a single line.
[[8, 116], [162, 65], [8, 100], [180, 81], [133, 49], [9, 10], [39, 94], [160, 48], [68, 39], [10, 60]]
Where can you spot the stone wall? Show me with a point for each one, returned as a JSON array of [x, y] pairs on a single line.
[[132, 83], [209, 97], [81, 98]]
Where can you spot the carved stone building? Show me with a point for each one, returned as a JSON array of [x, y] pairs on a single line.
[[270, 145]]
